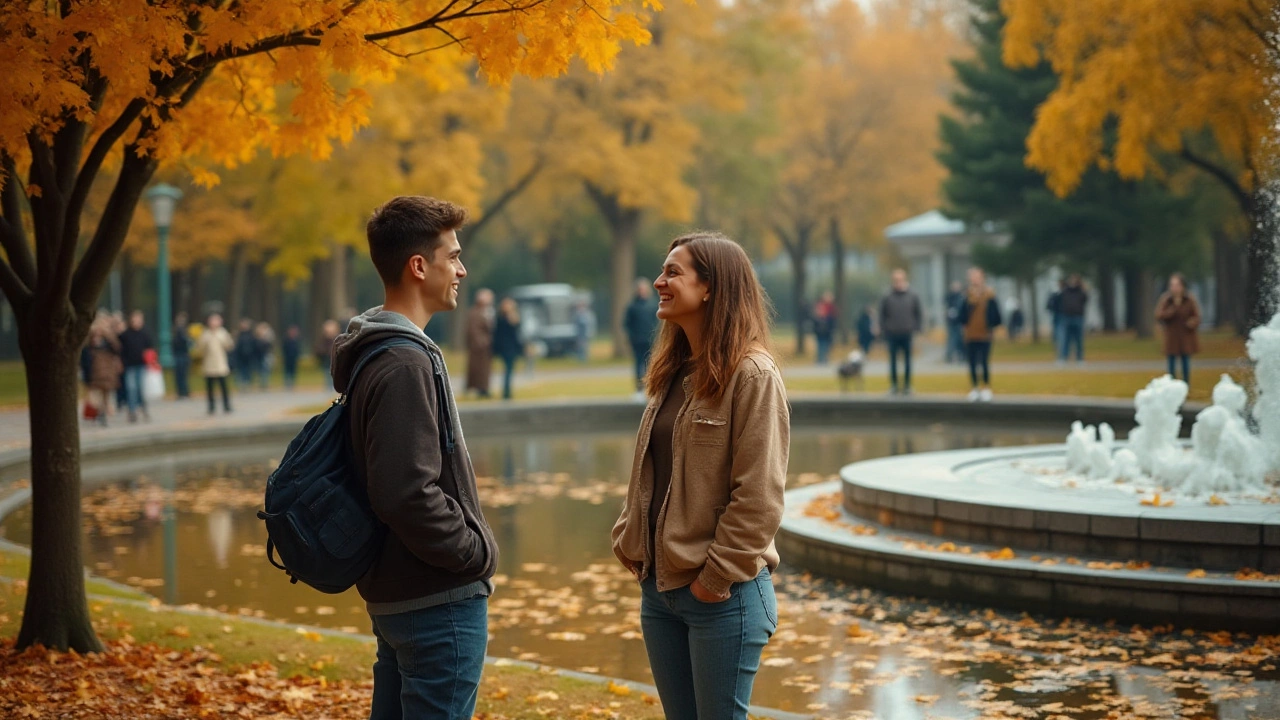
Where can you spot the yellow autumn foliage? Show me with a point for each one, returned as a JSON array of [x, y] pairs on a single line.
[[1162, 71]]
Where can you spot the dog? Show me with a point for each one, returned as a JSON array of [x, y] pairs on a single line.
[[850, 370]]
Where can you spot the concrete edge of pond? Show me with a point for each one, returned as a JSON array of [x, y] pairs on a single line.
[[197, 610], [895, 561]]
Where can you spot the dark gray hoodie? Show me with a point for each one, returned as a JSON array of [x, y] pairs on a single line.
[[439, 548]]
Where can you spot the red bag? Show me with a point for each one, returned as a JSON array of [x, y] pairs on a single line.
[[90, 411]]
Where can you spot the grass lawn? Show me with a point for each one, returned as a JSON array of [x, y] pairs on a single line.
[[506, 691]]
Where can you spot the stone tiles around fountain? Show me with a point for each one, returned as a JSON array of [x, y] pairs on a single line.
[[941, 525]]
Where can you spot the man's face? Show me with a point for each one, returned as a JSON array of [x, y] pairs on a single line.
[[444, 271], [643, 291], [136, 321], [899, 280]]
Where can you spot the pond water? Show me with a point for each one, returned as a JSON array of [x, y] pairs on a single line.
[[182, 527]]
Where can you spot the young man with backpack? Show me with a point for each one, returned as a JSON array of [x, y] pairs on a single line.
[[427, 590]]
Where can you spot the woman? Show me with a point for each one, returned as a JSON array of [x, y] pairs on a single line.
[[867, 329], [105, 366], [706, 491], [979, 317], [1179, 312], [214, 344], [506, 341]]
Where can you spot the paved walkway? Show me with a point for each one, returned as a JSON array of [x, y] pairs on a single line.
[[255, 406]]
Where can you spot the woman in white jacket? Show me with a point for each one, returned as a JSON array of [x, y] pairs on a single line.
[[213, 345]]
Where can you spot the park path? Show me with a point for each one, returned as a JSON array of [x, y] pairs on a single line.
[[255, 406]]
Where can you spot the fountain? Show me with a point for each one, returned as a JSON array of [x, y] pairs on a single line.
[[1154, 527]]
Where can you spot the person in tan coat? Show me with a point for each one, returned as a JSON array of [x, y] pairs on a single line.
[[214, 344], [1179, 313], [706, 493]]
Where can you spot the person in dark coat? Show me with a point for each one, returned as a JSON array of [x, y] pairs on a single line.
[[867, 329], [246, 354], [1072, 303], [824, 326], [323, 350], [290, 352], [181, 347], [506, 341], [134, 342], [900, 319], [641, 322], [1179, 314]]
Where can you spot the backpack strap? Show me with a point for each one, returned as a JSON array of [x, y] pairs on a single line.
[[370, 354]]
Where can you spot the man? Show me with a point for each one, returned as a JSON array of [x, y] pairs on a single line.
[[1072, 303], [427, 593], [480, 343], [584, 328], [182, 356], [955, 333], [134, 342], [900, 320], [290, 352], [824, 325], [246, 354], [1054, 306], [641, 321]]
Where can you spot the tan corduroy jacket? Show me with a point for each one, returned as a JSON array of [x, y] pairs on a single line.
[[728, 474]]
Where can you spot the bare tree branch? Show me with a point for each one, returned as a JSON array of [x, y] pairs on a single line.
[[508, 195], [14, 289], [97, 154], [95, 265], [13, 237], [1242, 196], [46, 208]]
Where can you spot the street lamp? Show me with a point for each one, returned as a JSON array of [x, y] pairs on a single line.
[[163, 198]]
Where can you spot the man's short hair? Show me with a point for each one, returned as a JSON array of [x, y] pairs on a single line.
[[406, 226]]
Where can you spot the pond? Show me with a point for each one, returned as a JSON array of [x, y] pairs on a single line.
[[182, 527]]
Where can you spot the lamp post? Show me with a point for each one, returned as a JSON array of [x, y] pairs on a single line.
[[163, 198]]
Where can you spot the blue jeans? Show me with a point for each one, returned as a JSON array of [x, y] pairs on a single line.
[[980, 360], [704, 656], [133, 388], [1186, 367], [824, 349], [899, 343], [955, 341], [508, 370], [181, 375], [429, 661], [1072, 333]]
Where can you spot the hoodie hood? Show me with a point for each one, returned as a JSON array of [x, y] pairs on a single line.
[[371, 326]]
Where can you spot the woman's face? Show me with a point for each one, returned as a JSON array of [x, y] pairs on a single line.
[[681, 293], [1175, 285]]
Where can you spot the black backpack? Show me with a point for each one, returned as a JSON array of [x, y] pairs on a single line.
[[316, 509]]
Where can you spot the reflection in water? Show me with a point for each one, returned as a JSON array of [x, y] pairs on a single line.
[[562, 600]]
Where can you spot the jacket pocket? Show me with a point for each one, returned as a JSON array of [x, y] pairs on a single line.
[[708, 429]]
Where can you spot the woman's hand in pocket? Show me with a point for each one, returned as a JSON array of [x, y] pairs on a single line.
[[702, 594]]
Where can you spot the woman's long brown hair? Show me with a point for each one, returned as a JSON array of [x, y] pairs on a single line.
[[736, 321]]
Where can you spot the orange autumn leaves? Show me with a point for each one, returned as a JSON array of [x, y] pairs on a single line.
[[286, 75]]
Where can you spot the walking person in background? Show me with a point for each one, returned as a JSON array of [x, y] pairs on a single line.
[[641, 322], [323, 350], [980, 315], [706, 492], [290, 352], [584, 328], [1054, 306], [955, 329], [480, 343], [245, 358], [134, 342], [117, 325], [265, 346], [214, 344], [1072, 303], [506, 341], [824, 325], [182, 356], [105, 365], [867, 329], [1016, 320], [900, 320], [1179, 313]]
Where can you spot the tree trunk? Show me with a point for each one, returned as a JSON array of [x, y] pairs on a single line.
[[339, 269], [1034, 311], [800, 286], [549, 260], [837, 257], [1262, 276], [1231, 295], [255, 292], [196, 300], [1144, 304], [56, 613], [623, 260], [128, 284], [1131, 299], [235, 285], [1107, 297], [273, 301], [317, 300]]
